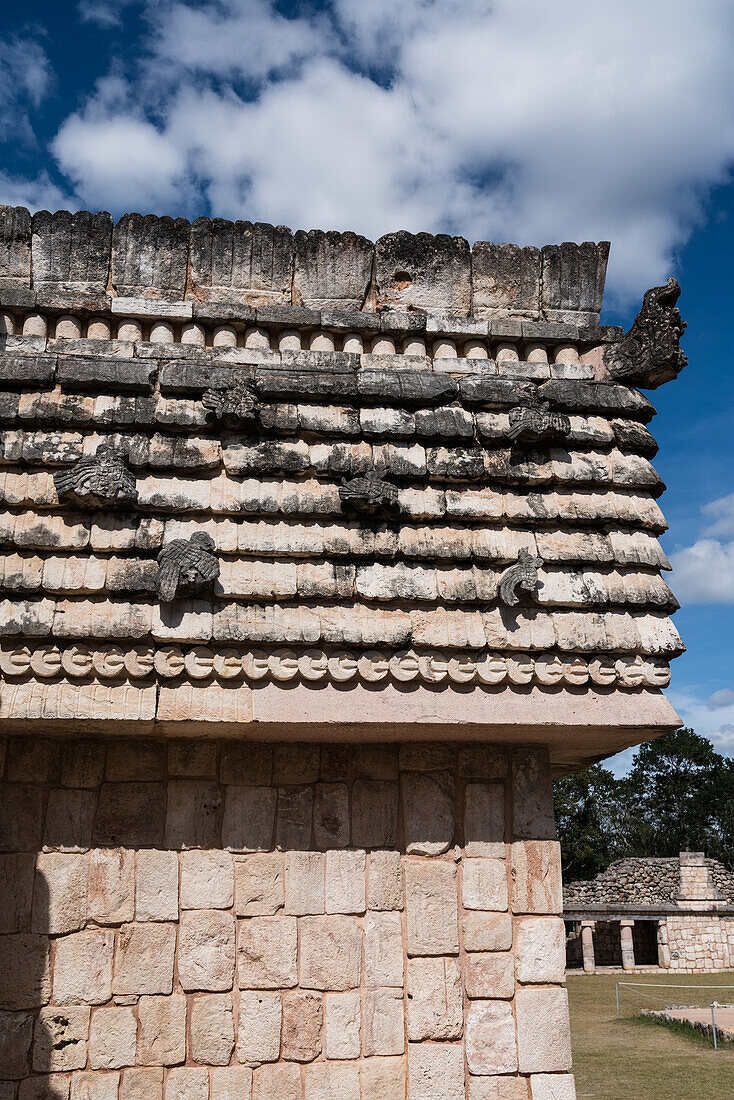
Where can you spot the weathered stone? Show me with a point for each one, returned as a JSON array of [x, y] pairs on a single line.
[[330, 952], [345, 882], [51, 1086], [95, 1086], [150, 256], [192, 814], [432, 926], [277, 1083], [374, 813], [206, 950], [192, 759], [241, 262], [142, 1084], [112, 1038], [111, 886], [385, 889], [162, 1030], [82, 763], [332, 270], [259, 885], [342, 1025], [532, 796], [423, 272], [383, 1077], [325, 1081], [435, 1002], [32, 761], [267, 951], [491, 1047], [60, 1039], [331, 816], [543, 1037], [16, 1033], [83, 968], [249, 818], [650, 353], [156, 897], [552, 1086], [130, 815], [305, 882], [302, 1019], [484, 884], [490, 975], [71, 251], [505, 279], [187, 1084], [383, 1022], [536, 877], [484, 820], [16, 891], [260, 1024], [15, 247], [487, 931], [211, 1027], [498, 1088], [25, 977], [207, 880], [428, 811], [383, 950], [144, 958], [60, 892], [295, 764], [540, 949], [69, 820], [435, 1069], [232, 1083]]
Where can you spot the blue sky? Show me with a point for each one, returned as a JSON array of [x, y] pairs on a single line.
[[496, 119]]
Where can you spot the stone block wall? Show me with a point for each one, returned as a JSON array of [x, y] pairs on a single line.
[[242, 921], [700, 943]]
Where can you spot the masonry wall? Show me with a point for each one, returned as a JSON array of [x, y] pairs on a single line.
[[233, 920], [700, 942]]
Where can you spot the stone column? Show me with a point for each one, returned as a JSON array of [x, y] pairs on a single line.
[[587, 946], [628, 948], [663, 948]]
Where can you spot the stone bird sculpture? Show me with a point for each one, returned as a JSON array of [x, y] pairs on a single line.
[[369, 493], [99, 479], [533, 423], [186, 567], [235, 405], [523, 574]]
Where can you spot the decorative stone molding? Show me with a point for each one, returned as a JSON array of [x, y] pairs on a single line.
[[650, 352], [235, 405], [169, 662], [98, 480], [536, 423], [370, 494], [523, 574], [186, 567]]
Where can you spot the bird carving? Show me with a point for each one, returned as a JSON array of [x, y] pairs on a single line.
[[186, 567], [234, 405], [98, 479], [369, 493], [523, 574], [533, 423]]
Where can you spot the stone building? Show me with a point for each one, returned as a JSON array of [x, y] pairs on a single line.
[[320, 557], [674, 913]]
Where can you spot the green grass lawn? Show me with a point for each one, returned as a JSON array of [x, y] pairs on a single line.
[[636, 1059]]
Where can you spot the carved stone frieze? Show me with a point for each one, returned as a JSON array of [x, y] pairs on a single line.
[[523, 574], [98, 480], [235, 405], [186, 567], [650, 352], [536, 423], [370, 494]]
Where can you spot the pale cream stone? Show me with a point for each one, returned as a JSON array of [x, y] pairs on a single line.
[[60, 892], [161, 332], [225, 336], [484, 820], [131, 331], [258, 1037], [267, 952], [142, 1084], [489, 975], [277, 1083], [428, 811], [536, 877], [112, 885], [193, 333], [552, 1086], [60, 1039], [34, 324], [302, 1020], [326, 1081], [144, 958], [112, 1038], [305, 883], [232, 1083], [256, 337], [383, 1078], [330, 952], [83, 968], [435, 1070], [187, 1084], [354, 343], [346, 882], [385, 889], [95, 1086], [162, 1030], [206, 950], [331, 816], [484, 885], [156, 889], [490, 1038], [211, 1027], [543, 1036], [383, 1022], [432, 926], [498, 1088], [487, 931], [435, 999], [249, 818], [259, 885], [207, 880], [383, 949], [342, 1025], [540, 949]]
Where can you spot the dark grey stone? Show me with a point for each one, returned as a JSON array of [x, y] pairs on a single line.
[[505, 277], [15, 296], [271, 457], [285, 316], [451, 423], [71, 301], [133, 575], [72, 251], [20, 369], [506, 328], [369, 494], [402, 324], [425, 272], [233, 405], [98, 373], [15, 247], [523, 575], [406, 387], [456, 463], [350, 320], [224, 312], [548, 330], [127, 411], [9, 407], [597, 397], [333, 361], [186, 567], [600, 334], [98, 480], [295, 384], [650, 353], [240, 259], [504, 392], [533, 423], [150, 256], [146, 349], [279, 418], [573, 275], [634, 438], [332, 269], [192, 378]]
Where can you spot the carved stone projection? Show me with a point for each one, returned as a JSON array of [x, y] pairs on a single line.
[[235, 405], [186, 567], [650, 353], [523, 574], [98, 479], [534, 423], [369, 494]]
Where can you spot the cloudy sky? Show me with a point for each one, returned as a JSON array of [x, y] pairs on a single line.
[[517, 120]]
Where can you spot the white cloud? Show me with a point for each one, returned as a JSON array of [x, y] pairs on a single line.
[[722, 698], [38, 194], [25, 77], [104, 13], [721, 511], [497, 119], [712, 720], [704, 572]]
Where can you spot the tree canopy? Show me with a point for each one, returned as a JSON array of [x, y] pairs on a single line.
[[677, 796]]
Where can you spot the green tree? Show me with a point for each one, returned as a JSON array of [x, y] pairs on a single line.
[[586, 808]]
